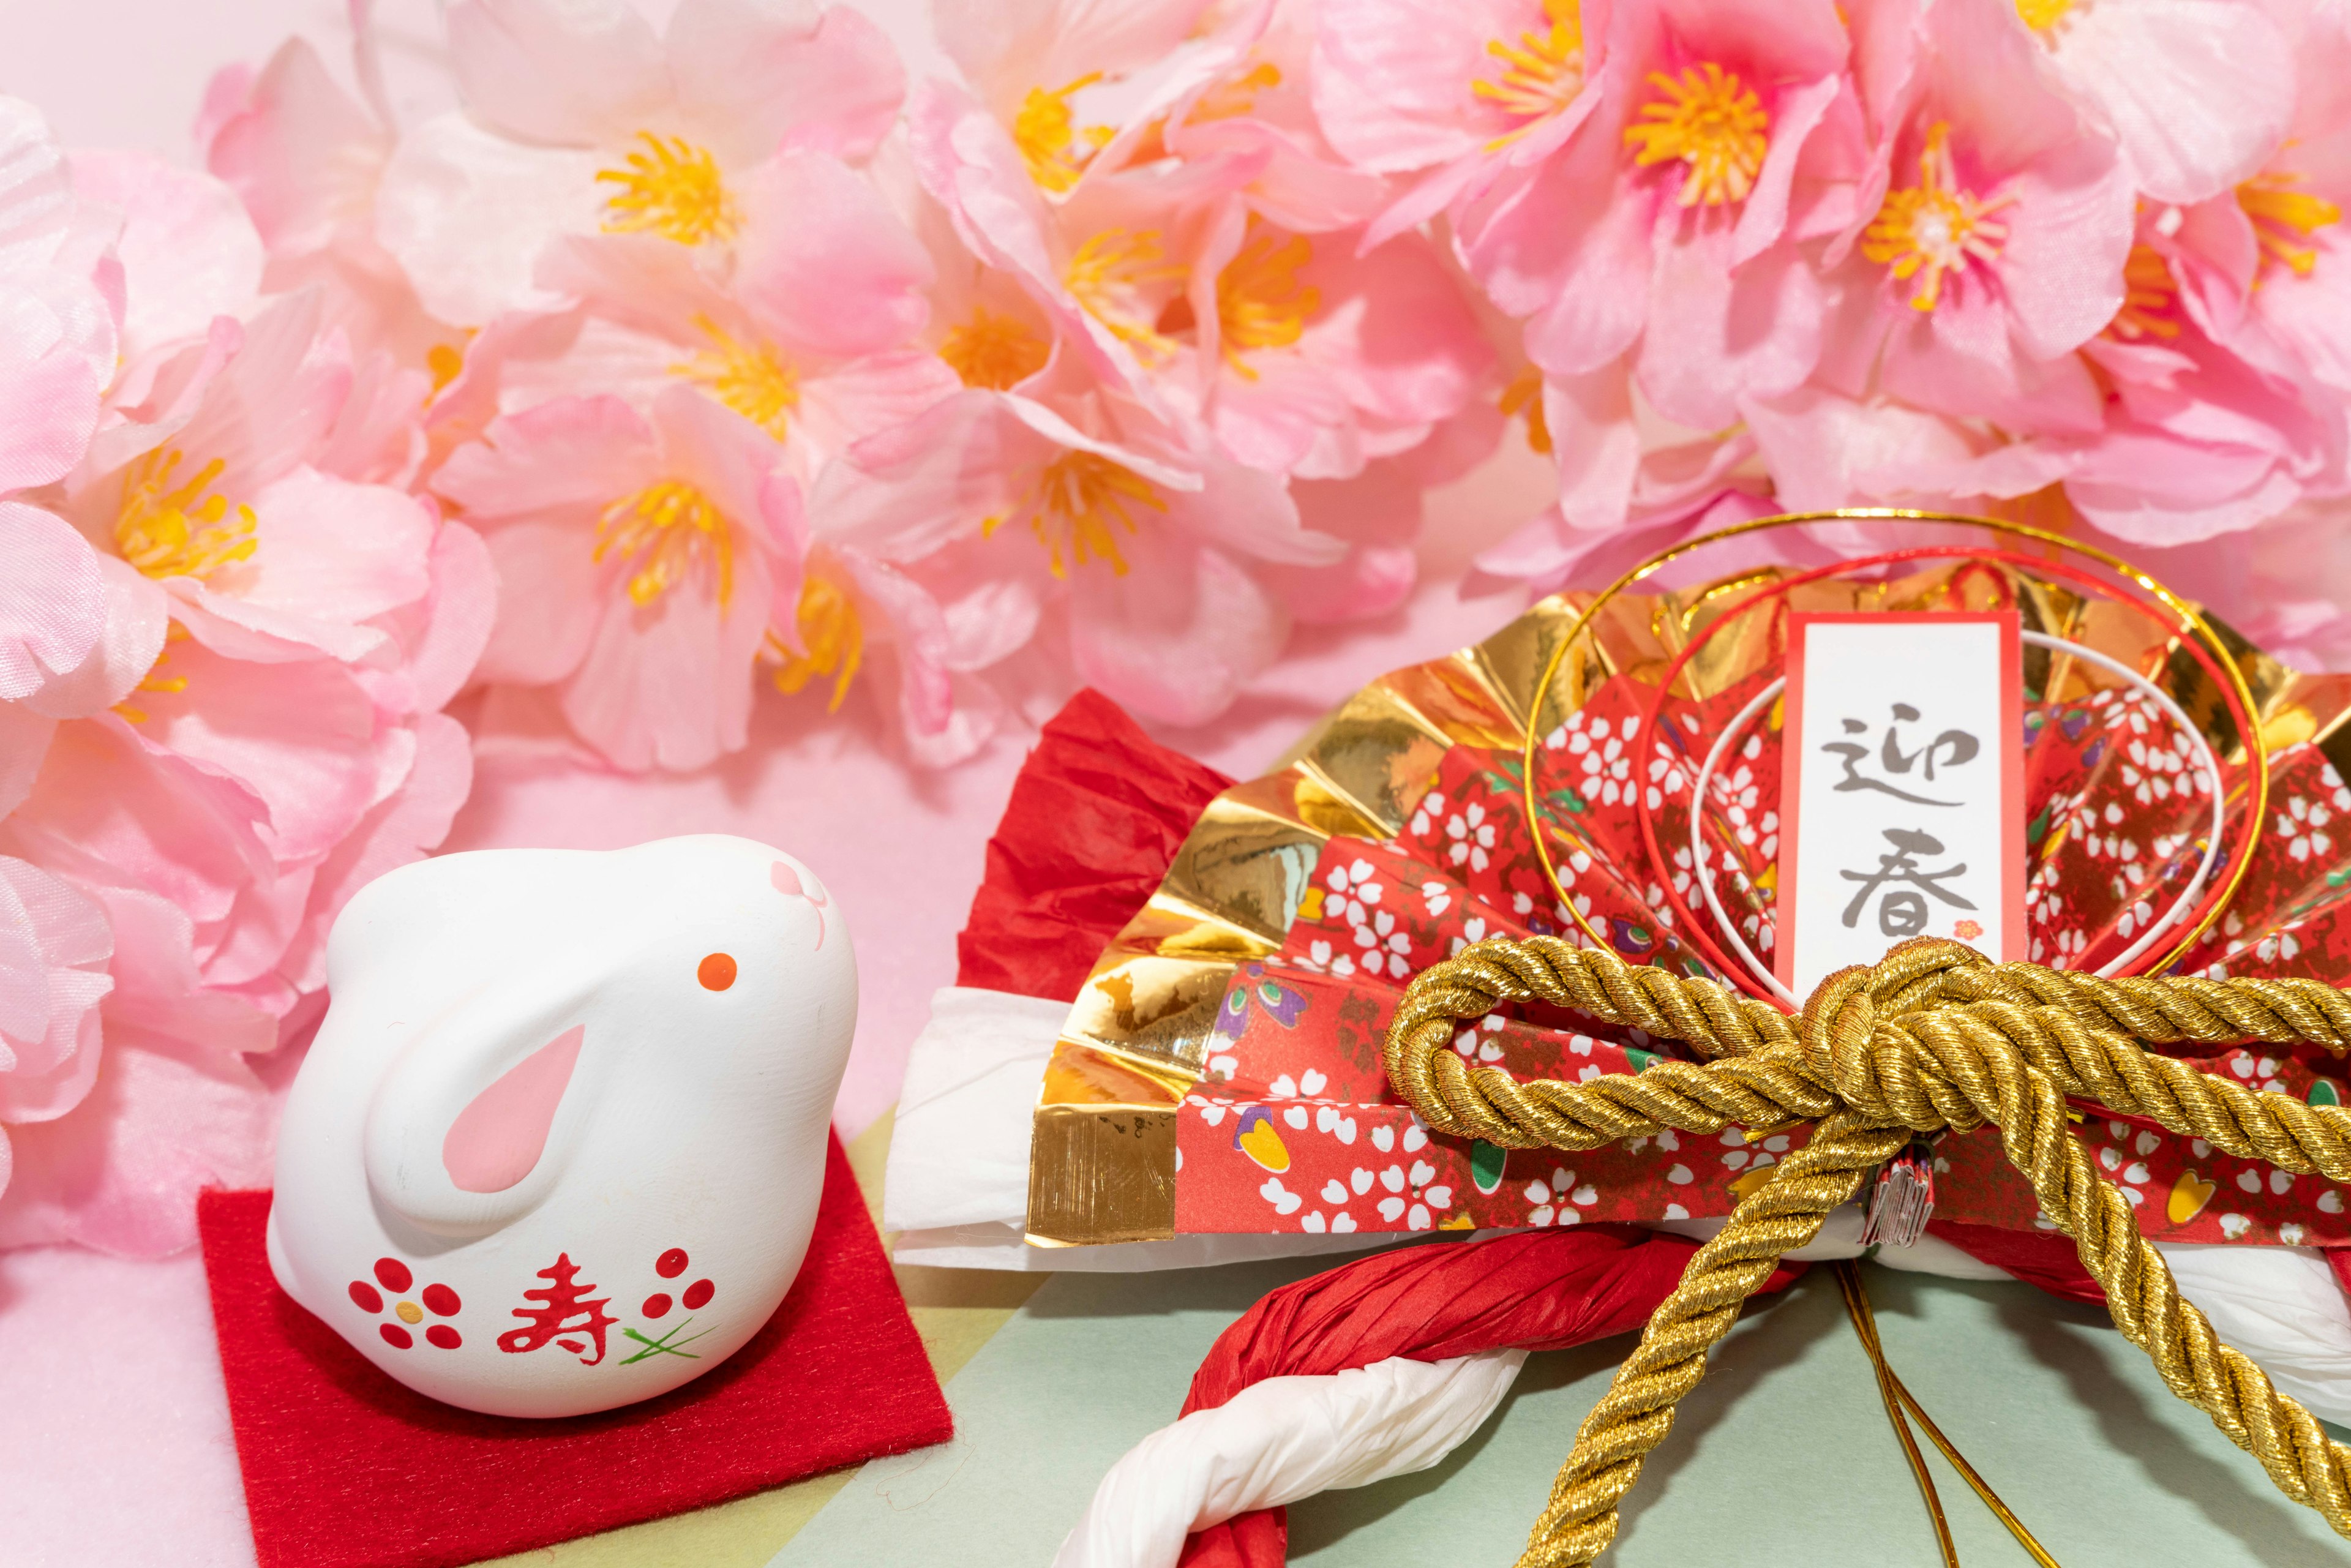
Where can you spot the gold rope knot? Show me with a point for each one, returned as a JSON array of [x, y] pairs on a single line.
[[1934, 1035]]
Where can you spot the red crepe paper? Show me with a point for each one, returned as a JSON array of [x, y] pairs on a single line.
[[346, 1468], [1536, 1290], [1096, 816], [2043, 1258], [1533, 1290]]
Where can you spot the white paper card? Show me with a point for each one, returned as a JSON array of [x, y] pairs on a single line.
[[1901, 789]]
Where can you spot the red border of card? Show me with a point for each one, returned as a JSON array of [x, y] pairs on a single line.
[[346, 1468]]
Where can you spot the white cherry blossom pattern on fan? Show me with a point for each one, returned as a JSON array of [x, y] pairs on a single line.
[[1601, 750], [1556, 1197]]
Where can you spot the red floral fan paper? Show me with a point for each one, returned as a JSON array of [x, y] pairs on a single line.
[[1220, 1070]]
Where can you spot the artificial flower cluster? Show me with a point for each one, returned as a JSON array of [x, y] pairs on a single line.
[[1142, 339], [675, 369], [228, 626]]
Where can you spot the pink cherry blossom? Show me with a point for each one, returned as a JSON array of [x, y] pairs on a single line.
[[223, 679], [2267, 264], [1152, 546], [724, 136], [2200, 440], [1990, 235], [2190, 87], [1664, 235], [1447, 96], [53, 944], [306, 158], [1043, 69], [815, 377], [654, 546], [58, 335]]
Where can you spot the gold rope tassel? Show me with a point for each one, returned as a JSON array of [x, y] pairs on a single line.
[[1933, 1036]]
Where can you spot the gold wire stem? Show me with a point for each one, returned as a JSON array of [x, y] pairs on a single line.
[[1865, 1323], [2000, 1509], [2189, 623], [1865, 1328]]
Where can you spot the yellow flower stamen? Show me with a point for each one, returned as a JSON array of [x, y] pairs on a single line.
[[671, 189], [1046, 132], [2283, 219], [1541, 73], [1524, 395], [444, 362], [1112, 277], [2041, 16], [750, 378], [1078, 501], [2148, 295], [1934, 227], [179, 530], [167, 685], [834, 636], [1260, 304], [998, 352], [664, 532], [1713, 122], [1232, 99]]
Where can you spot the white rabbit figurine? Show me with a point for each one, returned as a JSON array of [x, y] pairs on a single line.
[[558, 1143]]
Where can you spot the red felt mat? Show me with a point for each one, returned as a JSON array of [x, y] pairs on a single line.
[[346, 1468]]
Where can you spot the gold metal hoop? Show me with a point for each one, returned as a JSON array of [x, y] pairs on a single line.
[[2191, 623]]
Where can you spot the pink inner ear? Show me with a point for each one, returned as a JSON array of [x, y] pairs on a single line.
[[497, 1137], [787, 883]]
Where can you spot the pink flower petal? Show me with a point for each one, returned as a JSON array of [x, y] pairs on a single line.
[[188, 251], [824, 263], [785, 76], [668, 685], [120, 1171], [48, 398], [1176, 637], [298, 150], [301, 734], [466, 211], [334, 551], [556, 73], [410, 822], [1715, 335], [2191, 87], [54, 946], [575, 453], [463, 606], [110, 807], [52, 600], [546, 622]]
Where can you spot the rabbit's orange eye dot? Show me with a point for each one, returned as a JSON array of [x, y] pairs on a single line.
[[716, 972]]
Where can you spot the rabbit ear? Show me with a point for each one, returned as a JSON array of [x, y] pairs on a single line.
[[469, 1127], [499, 1135], [787, 880]]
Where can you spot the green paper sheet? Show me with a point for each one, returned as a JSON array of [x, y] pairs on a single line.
[[1781, 1456]]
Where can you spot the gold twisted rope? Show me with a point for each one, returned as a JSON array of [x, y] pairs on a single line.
[[1935, 1035]]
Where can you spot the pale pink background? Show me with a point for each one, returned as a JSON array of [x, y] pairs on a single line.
[[114, 1439]]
